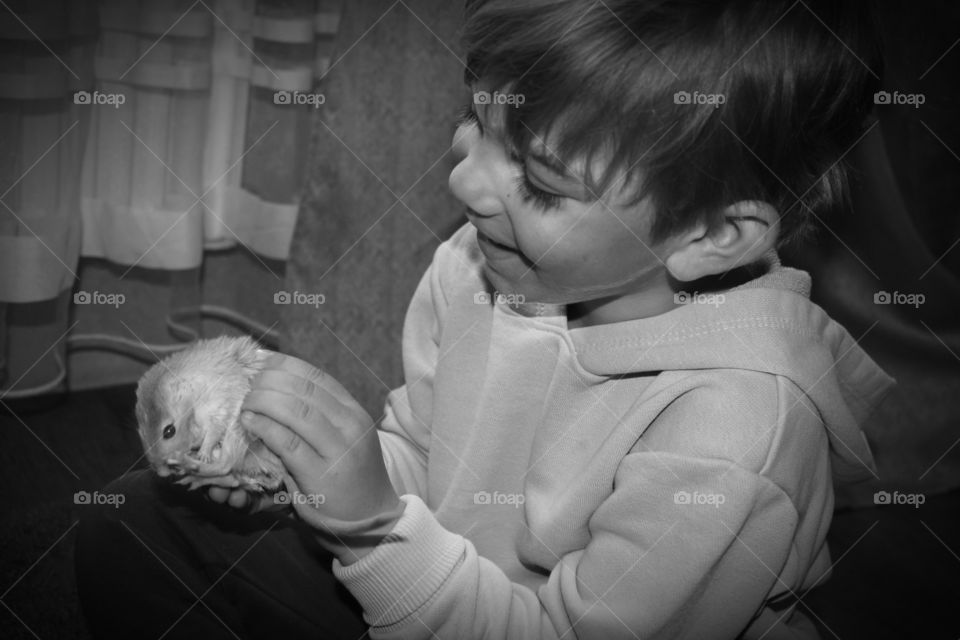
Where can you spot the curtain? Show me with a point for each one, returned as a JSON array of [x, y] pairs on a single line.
[[144, 136]]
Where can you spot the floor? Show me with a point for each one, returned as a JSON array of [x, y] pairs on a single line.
[[897, 572]]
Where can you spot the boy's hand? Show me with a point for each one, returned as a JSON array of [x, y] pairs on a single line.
[[243, 499], [331, 451]]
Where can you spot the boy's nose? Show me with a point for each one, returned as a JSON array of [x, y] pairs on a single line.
[[462, 138], [469, 184], [475, 179]]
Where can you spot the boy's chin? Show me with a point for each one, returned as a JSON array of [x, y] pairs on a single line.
[[507, 286], [526, 288]]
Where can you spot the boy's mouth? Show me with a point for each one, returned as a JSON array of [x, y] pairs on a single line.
[[484, 238], [473, 216], [493, 250]]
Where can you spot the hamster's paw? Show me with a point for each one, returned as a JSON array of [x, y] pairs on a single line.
[[195, 482], [200, 468]]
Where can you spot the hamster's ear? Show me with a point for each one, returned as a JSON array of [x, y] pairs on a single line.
[[748, 230]]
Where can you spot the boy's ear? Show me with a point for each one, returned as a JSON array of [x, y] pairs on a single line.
[[749, 230]]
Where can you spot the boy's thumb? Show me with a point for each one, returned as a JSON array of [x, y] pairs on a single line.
[[292, 450]]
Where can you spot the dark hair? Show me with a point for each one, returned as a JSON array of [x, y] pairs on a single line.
[[797, 81]]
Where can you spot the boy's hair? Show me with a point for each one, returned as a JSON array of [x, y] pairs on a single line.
[[796, 82]]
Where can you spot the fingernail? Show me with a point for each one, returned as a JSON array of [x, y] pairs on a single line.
[[246, 417]]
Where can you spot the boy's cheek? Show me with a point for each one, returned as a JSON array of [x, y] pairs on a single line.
[[568, 254], [554, 242]]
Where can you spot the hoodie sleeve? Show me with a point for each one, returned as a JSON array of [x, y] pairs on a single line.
[[666, 559], [405, 430]]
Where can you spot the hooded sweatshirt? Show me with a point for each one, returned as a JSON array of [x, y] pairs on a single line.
[[667, 477]]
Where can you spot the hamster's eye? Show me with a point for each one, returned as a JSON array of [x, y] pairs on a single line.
[[169, 431]]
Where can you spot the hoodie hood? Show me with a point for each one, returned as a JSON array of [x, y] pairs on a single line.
[[768, 324]]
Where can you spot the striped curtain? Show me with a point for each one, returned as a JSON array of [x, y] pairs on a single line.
[[145, 134]]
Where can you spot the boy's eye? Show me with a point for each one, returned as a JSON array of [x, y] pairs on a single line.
[[530, 192], [466, 116], [543, 200]]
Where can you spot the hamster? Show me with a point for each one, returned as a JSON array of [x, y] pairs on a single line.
[[188, 406]]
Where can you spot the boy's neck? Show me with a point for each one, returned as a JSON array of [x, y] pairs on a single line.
[[659, 295], [652, 301]]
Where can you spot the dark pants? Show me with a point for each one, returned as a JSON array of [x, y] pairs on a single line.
[[170, 563]]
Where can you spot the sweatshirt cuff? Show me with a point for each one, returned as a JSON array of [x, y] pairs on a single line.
[[406, 569]]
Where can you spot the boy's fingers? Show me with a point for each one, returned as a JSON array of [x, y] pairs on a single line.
[[266, 502], [218, 494], [300, 417], [289, 484], [299, 389], [305, 370], [297, 386], [238, 498], [296, 454]]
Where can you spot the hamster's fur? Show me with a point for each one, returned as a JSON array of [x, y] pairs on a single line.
[[188, 405]]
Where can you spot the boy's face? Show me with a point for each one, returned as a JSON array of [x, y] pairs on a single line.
[[543, 233]]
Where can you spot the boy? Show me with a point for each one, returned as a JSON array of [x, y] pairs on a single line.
[[621, 415]]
